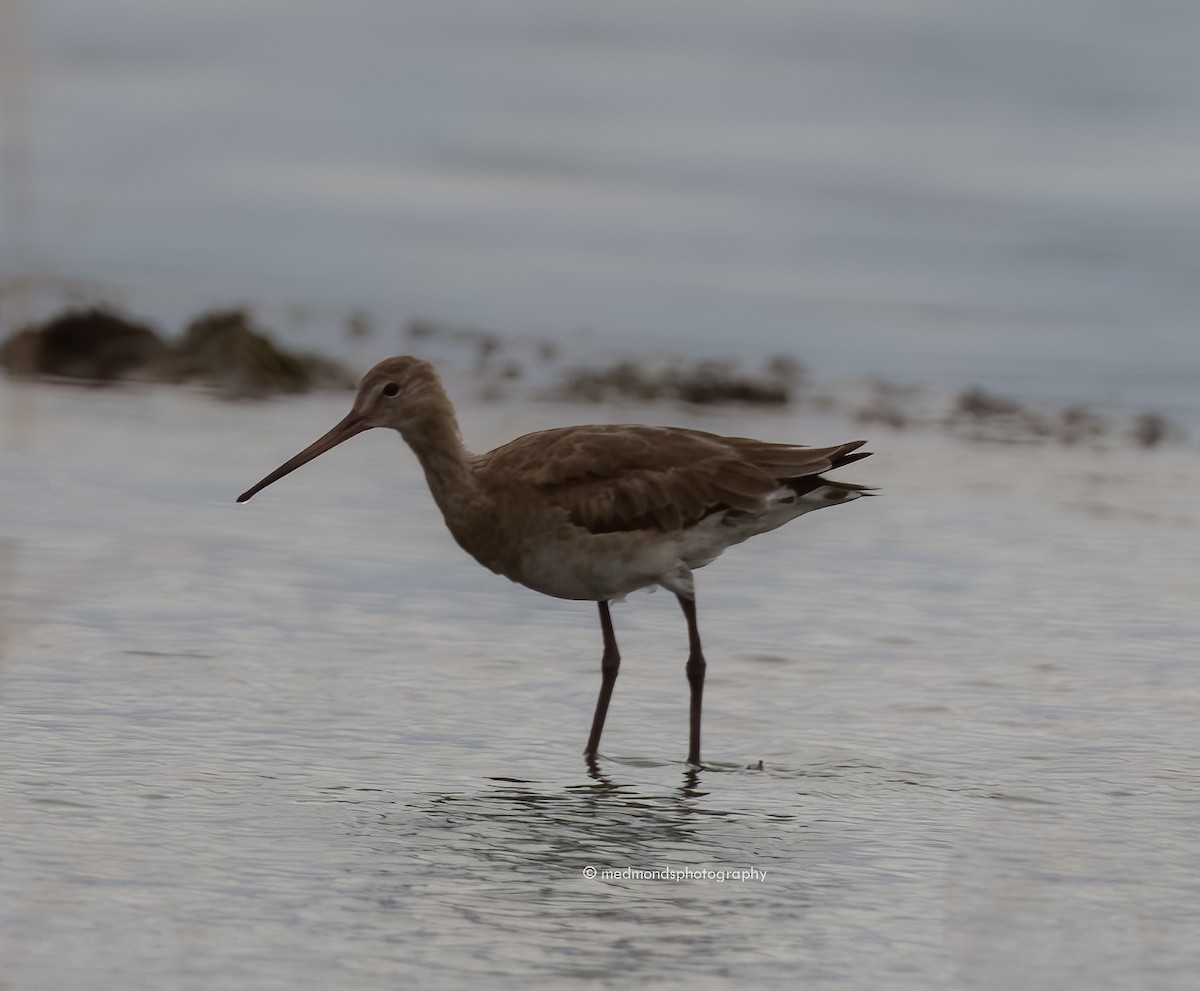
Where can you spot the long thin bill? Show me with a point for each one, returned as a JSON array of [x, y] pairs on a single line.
[[351, 425]]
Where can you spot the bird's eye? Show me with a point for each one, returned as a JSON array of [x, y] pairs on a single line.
[[391, 389]]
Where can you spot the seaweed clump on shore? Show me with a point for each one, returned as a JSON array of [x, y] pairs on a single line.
[[93, 344], [701, 384], [224, 350], [220, 349], [981, 415], [1150, 429]]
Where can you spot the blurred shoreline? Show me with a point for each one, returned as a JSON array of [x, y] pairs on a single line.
[[235, 354]]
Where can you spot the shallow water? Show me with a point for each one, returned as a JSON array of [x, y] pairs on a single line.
[[993, 192], [306, 742]]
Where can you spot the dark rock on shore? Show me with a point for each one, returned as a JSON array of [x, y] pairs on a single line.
[[93, 344], [981, 415], [224, 350], [221, 349], [704, 383]]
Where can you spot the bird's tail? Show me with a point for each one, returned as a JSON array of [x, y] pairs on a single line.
[[828, 490]]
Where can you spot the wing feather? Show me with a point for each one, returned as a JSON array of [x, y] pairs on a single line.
[[629, 477]]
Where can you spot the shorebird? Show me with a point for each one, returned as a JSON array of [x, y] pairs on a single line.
[[595, 512]]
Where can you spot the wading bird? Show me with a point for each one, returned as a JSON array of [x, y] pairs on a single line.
[[595, 512]]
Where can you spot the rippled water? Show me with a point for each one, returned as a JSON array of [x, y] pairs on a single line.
[[307, 743]]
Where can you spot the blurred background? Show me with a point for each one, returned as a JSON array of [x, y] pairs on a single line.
[[999, 193]]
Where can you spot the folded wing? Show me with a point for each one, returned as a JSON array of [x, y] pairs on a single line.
[[622, 477]]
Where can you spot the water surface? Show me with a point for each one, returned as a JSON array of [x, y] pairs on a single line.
[[307, 743], [1001, 192]]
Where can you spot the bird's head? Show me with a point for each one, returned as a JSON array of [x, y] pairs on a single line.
[[403, 393]]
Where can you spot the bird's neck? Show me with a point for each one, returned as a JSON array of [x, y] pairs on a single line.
[[437, 443]]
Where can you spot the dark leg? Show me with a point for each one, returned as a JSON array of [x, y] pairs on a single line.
[[695, 676], [609, 665]]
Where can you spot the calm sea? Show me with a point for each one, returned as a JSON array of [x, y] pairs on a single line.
[[1004, 193], [306, 743]]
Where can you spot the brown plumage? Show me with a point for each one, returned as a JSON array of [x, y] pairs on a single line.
[[628, 477], [595, 512]]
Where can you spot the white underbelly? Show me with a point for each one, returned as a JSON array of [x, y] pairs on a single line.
[[600, 567], [607, 566]]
